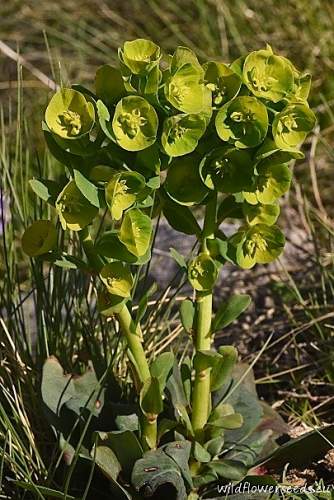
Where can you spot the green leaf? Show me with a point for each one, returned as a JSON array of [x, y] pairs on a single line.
[[187, 314], [214, 446], [179, 398], [302, 450], [109, 84], [105, 458], [105, 120], [179, 451], [127, 422], [180, 218], [156, 470], [42, 490], [229, 311], [126, 447], [200, 453], [229, 207], [183, 183], [223, 368], [87, 188], [59, 389], [45, 189], [161, 367], [39, 238], [229, 469], [150, 398], [179, 259], [136, 232]]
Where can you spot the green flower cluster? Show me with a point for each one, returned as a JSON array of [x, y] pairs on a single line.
[[167, 133]]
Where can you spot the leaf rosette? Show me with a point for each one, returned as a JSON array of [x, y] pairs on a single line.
[[122, 192], [39, 238], [221, 81], [202, 272], [258, 244], [268, 76], [117, 278], [140, 55], [135, 123], [69, 115], [74, 210], [181, 133], [243, 122], [292, 124], [183, 182], [227, 169]]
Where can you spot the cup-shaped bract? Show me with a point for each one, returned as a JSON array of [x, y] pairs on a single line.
[[140, 55], [74, 210], [117, 278], [135, 123], [243, 122], [183, 182], [292, 125], [122, 191], [69, 115], [221, 81], [268, 76], [39, 238], [186, 91], [258, 244], [271, 183], [228, 170], [136, 232], [181, 133], [261, 214], [202, 272]]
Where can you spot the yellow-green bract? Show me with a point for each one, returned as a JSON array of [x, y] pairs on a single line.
[[135, 123], [69, 115], [39, 238]]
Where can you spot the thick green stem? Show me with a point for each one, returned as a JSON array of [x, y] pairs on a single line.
[[201, 390], [133, 337], [201, 397]]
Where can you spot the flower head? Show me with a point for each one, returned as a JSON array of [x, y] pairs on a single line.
[[69, 115]]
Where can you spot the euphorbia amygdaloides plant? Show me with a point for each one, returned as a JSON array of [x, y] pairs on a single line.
[[168, 135]]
